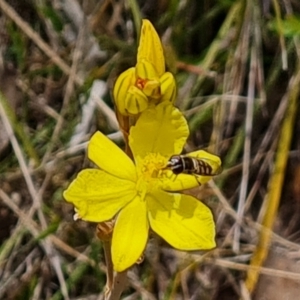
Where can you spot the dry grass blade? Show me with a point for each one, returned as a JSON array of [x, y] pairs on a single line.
[[276, 182], [77, 53], [7, 9], [280, 30], [48, 247], [247, 145], [214, 48], [267, 271]]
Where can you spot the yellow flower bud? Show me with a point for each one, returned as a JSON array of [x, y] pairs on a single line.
[[167, 87], [135, 102], [129, 99], [122, 84], [146, 83], [150, 48]]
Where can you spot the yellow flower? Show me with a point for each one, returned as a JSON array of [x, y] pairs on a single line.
[[138, 193], [147, 83]]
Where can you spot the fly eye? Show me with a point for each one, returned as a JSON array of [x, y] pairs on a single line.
[[174, 161]]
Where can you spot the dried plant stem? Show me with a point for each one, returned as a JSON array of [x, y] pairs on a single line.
[[227, 209], [47, 50], [275, 184], [247, 149], [67, 98], [36, 200], [280, 32], [24, 26], [35, 230], [242, 267], [18, 129], [214, 49], [45, 243]]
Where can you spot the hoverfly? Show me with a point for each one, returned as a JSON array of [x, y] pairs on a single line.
[[193, 165]]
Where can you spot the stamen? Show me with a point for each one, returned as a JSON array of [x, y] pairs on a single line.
[[153, 163], [140, 83]]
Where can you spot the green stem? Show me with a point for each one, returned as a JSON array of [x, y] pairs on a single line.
[[119, 285]]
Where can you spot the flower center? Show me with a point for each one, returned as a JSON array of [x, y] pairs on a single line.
[[140, 83], [150, 173], [150, 87], [152, 165]]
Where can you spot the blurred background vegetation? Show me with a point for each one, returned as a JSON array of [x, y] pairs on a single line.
[[236, 63]]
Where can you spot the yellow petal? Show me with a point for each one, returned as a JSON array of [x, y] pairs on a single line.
[[150, 48], [110, 158], [152, 90], [180, 182], [130, 235], [98, 196], [160, 129], [168, 87], [145, 70], [183, 221]]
